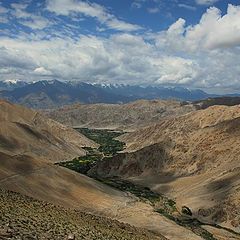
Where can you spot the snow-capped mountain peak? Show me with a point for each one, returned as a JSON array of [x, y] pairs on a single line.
[[11, 81]]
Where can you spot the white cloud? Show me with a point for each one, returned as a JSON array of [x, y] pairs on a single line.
[[186, 6], [66, 7], [206, 2], [14, 58], [118, 58], [20, 10], [69, 7], [30, 20], [212, 32], [216, 31], [42, 71], [121, 25], [36, 22], [176, 70], [3, 15]]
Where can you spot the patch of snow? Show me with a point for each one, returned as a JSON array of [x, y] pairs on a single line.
[[11, 81]]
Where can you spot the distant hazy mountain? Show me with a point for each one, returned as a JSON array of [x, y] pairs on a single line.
[[50, 94], [154, 92]]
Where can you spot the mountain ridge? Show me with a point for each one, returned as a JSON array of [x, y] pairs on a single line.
[[54, 93], [129, 116]]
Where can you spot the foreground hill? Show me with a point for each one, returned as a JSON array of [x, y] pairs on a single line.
[[192, 158], [118, 116], [32, 219]]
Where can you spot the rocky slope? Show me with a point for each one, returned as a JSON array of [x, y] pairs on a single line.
[[32, 219], [193, 158], [118, 116]]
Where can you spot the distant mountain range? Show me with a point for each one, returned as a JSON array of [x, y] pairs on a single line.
[[50, 94], [154, 92]]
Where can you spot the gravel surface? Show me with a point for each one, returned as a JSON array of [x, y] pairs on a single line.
[[25, 218]]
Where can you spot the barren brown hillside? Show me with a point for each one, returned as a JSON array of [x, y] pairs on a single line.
[[194, 158], [118, 116], [23, 131]]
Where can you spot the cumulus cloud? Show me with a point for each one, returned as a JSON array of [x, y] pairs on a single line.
[[42, 71], [212, 32], [14, 58], [69, 7], [215, 30], [176, 70], [118, 58]]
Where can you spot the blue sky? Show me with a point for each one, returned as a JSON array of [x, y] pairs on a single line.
[[191, 43]]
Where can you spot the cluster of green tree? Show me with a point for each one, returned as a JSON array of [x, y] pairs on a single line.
[[85, 163], [144, 193], [108, 147]]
